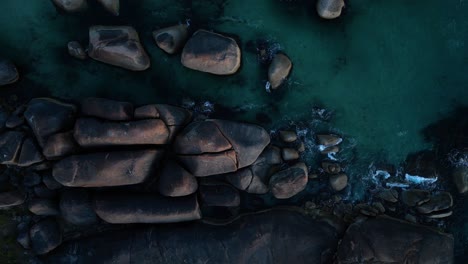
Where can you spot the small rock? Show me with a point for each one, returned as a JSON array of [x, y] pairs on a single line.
[[219, 194], [279, 70], [288, 136], [171, 39], [414, 197], [338, 182], [76, 207], [23, 238], [389, 195], [71, 5], [438, 202], [60, 145], [330, 9], [31, 179], [289, 154], [107, 109], [460, 177], [43, 207], [331, 167], [329, 150], [113, 6], [240, 179], [301, 147], [287, 183], [8, 72], [45, 236], [328, 140], [10, 199], [30, 154], [76, 50], [14, 121]]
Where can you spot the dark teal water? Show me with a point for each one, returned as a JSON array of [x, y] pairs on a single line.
[[386, 68]]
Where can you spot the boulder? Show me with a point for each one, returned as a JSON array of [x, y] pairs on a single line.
[[257, 186], [76, 50], [460, 177], [107, 168], [175, 181], [211, 52], [330, 9], [288, 136], [119, 46], [331, 167], [328, 140], [302, 166], [387, 240], [42, 191], [10, 145], [112, 6], [438, 202], [201, 137], [274, 236], [50, 182], [219, 194], [107, 109], [145, 208], [289, 154], [45, 236], [210, 164], [91, 132], [287, 183], [263, 168], [414, 197], [10, 199], [338, 182], [389, 195], [279, 70], [60, 145], [173, 115], [71, 5], [240, 179], [43, 207], [30, 154], [31, 179], [171, 39], [47, 116], [76, 207], [8, 72]]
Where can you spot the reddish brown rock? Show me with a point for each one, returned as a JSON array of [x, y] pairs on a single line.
[[210, 164], [199, 138], [175, 181], [60, 145], [30, 154], [107, 109], [287, 183], [171, 39], [279, 70]]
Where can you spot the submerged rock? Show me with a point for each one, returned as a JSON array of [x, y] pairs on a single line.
[[171, 39], [421, 167], [279, 70], [113, 6], [10, 145], [119, 46], [76, 50], [219, 194], [240, 179], [287, 183], [107, 168], [288, 136], [145, 208], [388, 240], [30, 154], [338, 182], [211, 52], [275, 236], [331, 167], [71, 5], [76, 207], [460, 177], [8, 72], [175, 181], [45, 236], [330, 9], [389, 195], [10, 199], [107, 109]]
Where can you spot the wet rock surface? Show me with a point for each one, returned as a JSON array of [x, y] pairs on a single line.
[[171, 39], [8, 72], [287, 183], [175, 181], [279, 69], [107, 109]]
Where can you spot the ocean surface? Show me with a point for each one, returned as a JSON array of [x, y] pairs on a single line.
[[385, 69]]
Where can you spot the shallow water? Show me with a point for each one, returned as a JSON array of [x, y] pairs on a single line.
[[387, 69]]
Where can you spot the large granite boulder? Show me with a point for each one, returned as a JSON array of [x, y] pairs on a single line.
[[47, 116], [107, 168], [113, 6], [10, 146], [119, 46], [60, 145], [175, 181], [45, 236], [76, 207], [211, 52], [263, 168], [8, 72], [71, 5], [118, 208], [279, 70], [330, 9], [275, 236], [240, 179], [287, 183], [171, 39], [388, 240], [107, 109], [91, 132], [217, 146]]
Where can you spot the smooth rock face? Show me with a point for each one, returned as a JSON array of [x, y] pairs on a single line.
[[71, 5], [279, 70], [240, 179], [219, 194], [76, 50], [43, 207], [47, 116], [171, 39], [287, 183], [175, 181], [145, 208], [288, 136], [10, 199], [199, 138], [60, 145], [210, 164], [107, 109], [211, 52], [91, 132], [10, 145], [30, 154], [45, 236], [8, 72], [330, 9], [331, 167], [107, 168], [436, 203], [119, 46], [113, 6], [328, 140], [460, 177], [276, 236], [76, 207], [388, 240], [338, 182]]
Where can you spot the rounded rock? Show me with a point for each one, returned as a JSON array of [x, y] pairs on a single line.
[[279, 70]]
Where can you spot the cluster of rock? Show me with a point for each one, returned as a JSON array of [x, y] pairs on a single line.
[[112, 6], [329, 144]]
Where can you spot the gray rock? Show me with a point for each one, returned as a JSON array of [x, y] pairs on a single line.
[[10, 199], [145, 208], [388, 240], [112, 6], [10, 145], [288, 136], [91, 132], [438, 202], [257, 186], [23, 238], [76, 50], [414, 197], [279, 70], [60, 145], [76, 207], [330, 9], [8, 72], [460, 177], [71, 5], [171, 39], [107, 168], [45, 236], [211, 52], [338, 182], [210, 164], [107, 109], [47, 116], [173, 115], [43, 207], [219, 194], [30, 154], [287, 183], [331, 167], [119, 46], [263, 168], [175, 181]]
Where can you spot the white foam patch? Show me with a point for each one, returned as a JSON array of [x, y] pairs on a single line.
[[418, 179], [331, 156], [381, 174]]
